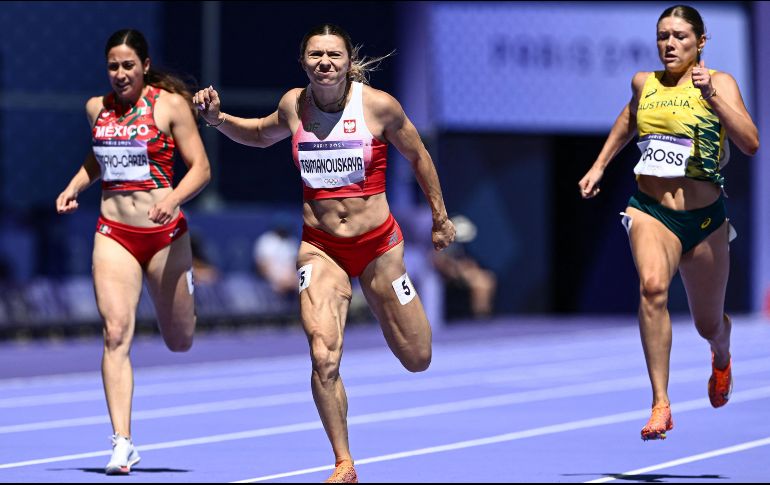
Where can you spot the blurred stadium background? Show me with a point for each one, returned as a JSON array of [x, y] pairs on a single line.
[[513, 100]]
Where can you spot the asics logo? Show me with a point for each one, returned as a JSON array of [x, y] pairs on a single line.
[[176, 231], [706, 223], [651, 93]]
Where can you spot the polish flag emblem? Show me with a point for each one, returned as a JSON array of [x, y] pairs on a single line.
[[349, 125]]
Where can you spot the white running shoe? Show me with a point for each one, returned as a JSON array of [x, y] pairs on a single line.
[[124, 456]]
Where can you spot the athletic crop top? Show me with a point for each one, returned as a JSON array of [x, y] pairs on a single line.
[[336, 153], [132, 152], [679, 133]]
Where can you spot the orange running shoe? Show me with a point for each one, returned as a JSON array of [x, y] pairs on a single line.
[[343, 473], [660, 422], [720, 384]]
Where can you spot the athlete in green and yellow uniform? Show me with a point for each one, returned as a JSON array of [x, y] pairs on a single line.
[[677, 221], [682, 113]]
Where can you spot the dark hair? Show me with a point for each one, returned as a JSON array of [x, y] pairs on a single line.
[[359, 67], [158, 78], [689, 15]]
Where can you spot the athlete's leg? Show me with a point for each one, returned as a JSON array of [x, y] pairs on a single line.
[[705, 271], [398, 309], [656, 251], [169, 283], [118, 285], [325, 293]]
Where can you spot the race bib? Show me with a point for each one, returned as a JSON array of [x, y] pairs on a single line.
[[404, 289], [122, 160], [303, 275], [331, 164], [663, 156]]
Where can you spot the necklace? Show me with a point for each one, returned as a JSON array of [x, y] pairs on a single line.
[[340, 102]]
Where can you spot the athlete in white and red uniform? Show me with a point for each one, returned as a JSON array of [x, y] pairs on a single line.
[[141, 232], [340, 129], [348, 162]]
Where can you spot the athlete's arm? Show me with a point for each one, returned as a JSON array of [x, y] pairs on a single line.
[[621, 133], [729, 106], [255, 132], [184, 131], [399, 130], [87, 174]]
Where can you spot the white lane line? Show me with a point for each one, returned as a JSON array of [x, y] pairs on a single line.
[[184, 385], [687, 459], [506, 375], [464, 352], [754, 394], [532, 346], [395, 415], [187, 386], [500, 376]]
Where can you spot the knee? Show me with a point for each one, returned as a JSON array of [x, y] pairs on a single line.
[[178, 336], [417, 361], [116, 333], [654, 290], [180, 343], [326, 359]]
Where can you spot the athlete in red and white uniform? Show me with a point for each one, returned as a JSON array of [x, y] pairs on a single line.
[[348, 162], [141, 232], [135, 155], [133, 152], [340, 129]]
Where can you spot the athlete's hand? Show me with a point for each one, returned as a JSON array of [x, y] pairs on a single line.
[[67, 202], [443, 233], [163, 212], [701, 79], [589, 184], [208, 104]]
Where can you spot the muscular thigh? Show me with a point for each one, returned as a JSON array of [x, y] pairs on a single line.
[[393, 299], [656, 250], [324, 297], [705, 270], [170, 284], [117, 280]]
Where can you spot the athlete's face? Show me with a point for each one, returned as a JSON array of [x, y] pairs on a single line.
[[126, 72], [677, 44], [326, 60]]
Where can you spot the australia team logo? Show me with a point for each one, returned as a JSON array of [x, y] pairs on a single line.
[[349, 126]]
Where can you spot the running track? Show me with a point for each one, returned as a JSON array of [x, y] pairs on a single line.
[[513, 400]]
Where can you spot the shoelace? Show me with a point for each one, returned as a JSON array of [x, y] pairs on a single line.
[[114, 439]]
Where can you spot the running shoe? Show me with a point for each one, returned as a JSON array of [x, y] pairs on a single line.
[[720, 384], [124, 456], [343, 473], [660, 422]]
